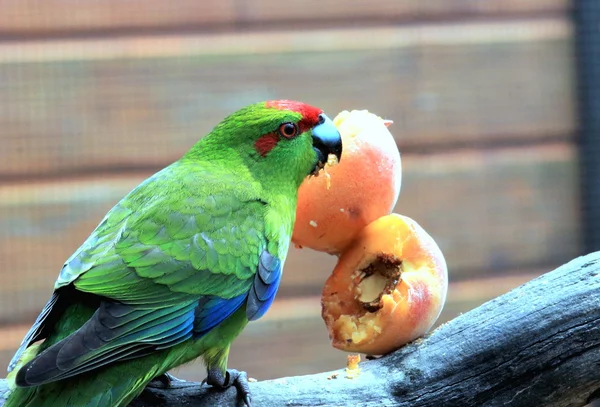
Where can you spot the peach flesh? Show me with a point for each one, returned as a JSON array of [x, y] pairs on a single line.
[[378, 278], [387, 289]]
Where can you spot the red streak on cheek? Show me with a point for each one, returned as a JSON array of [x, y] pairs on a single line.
[[266, 143]]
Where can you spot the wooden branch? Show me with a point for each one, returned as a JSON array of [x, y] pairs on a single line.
[[538, 345]]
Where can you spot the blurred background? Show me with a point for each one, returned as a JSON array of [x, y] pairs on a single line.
[[98, 95]]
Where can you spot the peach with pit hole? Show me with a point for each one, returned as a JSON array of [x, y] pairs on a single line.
[[343, 198], [387, 289]]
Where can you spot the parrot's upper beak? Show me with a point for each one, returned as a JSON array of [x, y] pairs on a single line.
[[326, 140]]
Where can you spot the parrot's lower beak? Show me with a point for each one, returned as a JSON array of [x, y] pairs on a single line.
[[326, 140]]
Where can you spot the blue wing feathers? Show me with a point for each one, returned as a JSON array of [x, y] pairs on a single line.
[[269, 267], [266, 283], [264, 292], [211, 311]]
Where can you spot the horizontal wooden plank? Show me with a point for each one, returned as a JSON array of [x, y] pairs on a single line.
[[272, 10], [25, 17], [87, 105], [284, 41], [291, 338], [489, 211], [50, 16]]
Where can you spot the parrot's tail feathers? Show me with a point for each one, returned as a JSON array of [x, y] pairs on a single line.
[[114, 387], [115, 332], [27, 355], [38, 330]]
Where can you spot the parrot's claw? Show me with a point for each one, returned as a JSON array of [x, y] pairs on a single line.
[[164, 381], [232, 378]]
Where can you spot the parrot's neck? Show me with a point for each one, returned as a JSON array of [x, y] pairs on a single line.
[[254, 181], [279, 221], [274, 178]]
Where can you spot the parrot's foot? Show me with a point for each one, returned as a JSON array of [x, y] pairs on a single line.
[[164, 381], [232, 377]]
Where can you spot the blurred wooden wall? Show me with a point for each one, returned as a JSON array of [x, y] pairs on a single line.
[[97, 95]]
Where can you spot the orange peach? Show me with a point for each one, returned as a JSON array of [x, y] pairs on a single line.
[[342, 199], [387, 289]]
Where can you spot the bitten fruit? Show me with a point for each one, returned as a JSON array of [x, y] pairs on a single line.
[[387, 289], [334, 206]]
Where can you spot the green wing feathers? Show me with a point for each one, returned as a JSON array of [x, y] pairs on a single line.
[[181, 245], [163, 274]]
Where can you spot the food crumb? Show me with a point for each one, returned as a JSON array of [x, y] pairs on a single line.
[[333, 376], [313, 223], [331, 160], [252, 380], [352, 369]]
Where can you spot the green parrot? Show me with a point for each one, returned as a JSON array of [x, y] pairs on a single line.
[[178, 267]]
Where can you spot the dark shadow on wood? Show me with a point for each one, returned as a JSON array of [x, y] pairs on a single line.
[[538, 345]]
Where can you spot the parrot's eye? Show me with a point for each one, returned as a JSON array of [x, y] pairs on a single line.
[[288, 130]]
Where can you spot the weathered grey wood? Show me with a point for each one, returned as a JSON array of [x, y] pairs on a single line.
[[538, 345]]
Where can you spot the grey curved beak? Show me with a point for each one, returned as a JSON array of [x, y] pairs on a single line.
[[326, 139]]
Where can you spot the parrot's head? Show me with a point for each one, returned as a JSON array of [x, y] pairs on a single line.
[[285, 139]]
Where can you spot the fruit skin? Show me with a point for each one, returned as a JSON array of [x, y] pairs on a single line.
[[336, 205], [409, 311]]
